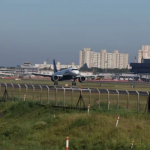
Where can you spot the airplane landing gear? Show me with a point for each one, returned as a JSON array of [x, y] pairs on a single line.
[[74, 83], [55, 83]]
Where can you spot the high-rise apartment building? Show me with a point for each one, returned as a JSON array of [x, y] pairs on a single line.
[[85, 57], [144, 53], [103, 59]]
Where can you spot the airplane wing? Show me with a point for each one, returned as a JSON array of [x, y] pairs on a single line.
[[59, 75], [39, 74], [45, 75], [86, 76]]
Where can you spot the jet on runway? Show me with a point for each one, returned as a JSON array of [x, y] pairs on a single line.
[[65, 74]]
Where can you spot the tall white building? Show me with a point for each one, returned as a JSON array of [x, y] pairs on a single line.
[[103, 59], [90, 57], [144, 53], [85, 57], [58, 65]]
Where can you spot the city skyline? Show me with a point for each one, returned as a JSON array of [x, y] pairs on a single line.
[[36, 30], [78, 58], [103, 59]]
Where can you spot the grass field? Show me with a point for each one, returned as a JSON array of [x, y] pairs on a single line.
[[27, 126]]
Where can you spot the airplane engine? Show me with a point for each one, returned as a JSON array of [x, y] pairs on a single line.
[[55, 78], [82, 79]]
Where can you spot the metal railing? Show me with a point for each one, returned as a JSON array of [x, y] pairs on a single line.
[[65, 90]]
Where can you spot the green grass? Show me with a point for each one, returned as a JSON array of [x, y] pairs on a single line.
[[28, 126]]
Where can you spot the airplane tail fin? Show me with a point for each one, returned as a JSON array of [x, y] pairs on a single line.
[[55, 68]]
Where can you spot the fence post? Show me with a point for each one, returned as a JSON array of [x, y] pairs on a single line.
[[107, 99], [33, 91], [19, 90], [71, 97], [5, 85], [117, 120], [117, 99], [40, 94], [137, 101], [0, 89], [132, 144], [12, 91], [47, 94], [81, 94], [89, 96], [6, 89], [98, 97], [26, 91], [127, 100], [64, 96], [67, 143], [88, 108], [55, 95]]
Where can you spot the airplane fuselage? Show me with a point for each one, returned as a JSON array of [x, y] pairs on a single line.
[[67, 74]]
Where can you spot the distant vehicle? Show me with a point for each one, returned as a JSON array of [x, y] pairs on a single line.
[[130, 79], [17, 79], [65, 74], [121, 78]]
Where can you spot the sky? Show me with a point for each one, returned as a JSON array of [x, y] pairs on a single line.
[[39, 30]]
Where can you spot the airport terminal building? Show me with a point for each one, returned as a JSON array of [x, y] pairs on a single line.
[[140, 68], [26, 68]]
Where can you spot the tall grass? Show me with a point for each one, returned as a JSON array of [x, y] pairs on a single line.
[[28, 126]]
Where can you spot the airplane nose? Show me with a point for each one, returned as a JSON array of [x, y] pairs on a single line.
[[75, 72]]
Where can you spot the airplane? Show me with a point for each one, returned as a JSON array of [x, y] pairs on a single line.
[[65, 74]]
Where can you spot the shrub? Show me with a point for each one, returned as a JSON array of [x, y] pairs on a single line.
[[15, 131], [39, 125], [79, 122], [21, 108]]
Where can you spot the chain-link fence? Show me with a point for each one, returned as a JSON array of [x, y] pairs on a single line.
[[74, 97]]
